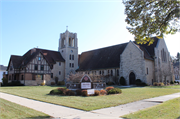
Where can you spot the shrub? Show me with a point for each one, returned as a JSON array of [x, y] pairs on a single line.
[[138, 82], [109, 88], [103, 92], [96, 93], [42, 84], [52, 83], [122, 81], [171, 82], [55, 92], [160, 84], [5, 81], [62, 90], [155, 84], [78, 92], [84, 93], [69, 92], [61, 83], [110, 83], [115, 91], [15, 83], [175, 81]]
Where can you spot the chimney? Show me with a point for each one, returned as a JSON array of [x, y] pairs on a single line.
[[33, 50]]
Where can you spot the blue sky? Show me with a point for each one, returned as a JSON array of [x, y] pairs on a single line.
[[27, 24]]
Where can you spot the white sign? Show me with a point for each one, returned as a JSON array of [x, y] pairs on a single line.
[[90, 91], [85, 85]]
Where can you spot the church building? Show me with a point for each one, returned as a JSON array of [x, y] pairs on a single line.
[[129, 60]]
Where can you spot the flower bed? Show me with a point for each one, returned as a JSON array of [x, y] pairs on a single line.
[[67, 92]]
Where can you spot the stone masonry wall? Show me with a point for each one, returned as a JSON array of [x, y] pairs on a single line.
[[132, 60]]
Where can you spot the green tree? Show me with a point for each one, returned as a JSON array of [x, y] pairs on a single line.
[[148, 18]]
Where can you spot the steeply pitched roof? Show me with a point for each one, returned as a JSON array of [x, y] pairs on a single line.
[[50, 56], [108, 57], [149, 48]]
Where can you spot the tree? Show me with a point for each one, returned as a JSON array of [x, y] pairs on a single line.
[[148, 18]]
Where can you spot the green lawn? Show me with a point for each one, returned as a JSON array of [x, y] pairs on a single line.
[[171, 86], [167, 110], [91, 102], [9, 110]]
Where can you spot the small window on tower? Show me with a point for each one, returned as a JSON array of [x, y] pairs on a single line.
[[69, 57]]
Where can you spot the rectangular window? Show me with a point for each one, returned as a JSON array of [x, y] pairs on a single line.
[[51, 75], [69, 57], [35, 67], [69, 64], [59, 63], [59, 72], [111, 72], [100, 72], [147, 70], [72, 57], [9, 77], [42, 67], [72, 64], [22, 77], [117, 72]]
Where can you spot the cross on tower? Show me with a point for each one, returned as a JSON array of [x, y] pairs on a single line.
[[66, 27]]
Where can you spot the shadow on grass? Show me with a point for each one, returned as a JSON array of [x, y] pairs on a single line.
[[178, 117], [40, 117]]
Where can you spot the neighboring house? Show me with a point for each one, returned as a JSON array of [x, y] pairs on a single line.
[[39, 65], [176, 70], [2, 71], [130, 60]]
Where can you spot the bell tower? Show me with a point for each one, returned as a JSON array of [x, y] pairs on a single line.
[[68, 47]]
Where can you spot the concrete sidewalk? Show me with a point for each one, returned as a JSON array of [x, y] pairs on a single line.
[[71, 113]]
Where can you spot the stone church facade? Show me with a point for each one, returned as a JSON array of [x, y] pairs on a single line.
[[130, 60]]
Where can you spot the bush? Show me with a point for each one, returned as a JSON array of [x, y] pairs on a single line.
[[61, 83], [96, 93], [175, 81], [84, 93], [110, 83], [15, 83], [103, 92], [115, 91], [5, 81], [55, 92], [42, 84], [155, 84], [69, 92], [138, 82], [160, 84], [171, 82], [109, 88], [122, 81], [62, 90], [52, 83], [78, 92]]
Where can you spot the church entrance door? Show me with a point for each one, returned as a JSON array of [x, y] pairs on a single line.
[[131, 78]]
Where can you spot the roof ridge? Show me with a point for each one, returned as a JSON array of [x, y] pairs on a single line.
[[105, 47]]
